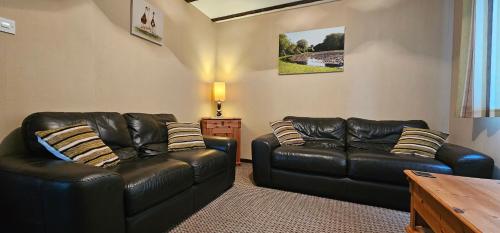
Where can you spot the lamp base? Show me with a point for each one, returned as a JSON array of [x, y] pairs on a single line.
[[219, 111]]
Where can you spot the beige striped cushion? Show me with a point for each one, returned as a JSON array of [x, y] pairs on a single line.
[[77, 143], [420, 142], [184, 136], [286, 133]]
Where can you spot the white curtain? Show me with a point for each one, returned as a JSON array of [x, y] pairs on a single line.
[[478, 94]]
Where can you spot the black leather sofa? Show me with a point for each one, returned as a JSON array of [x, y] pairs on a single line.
[[351, 160], [151, 190]]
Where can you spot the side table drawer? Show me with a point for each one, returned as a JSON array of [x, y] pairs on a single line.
[[222, 123], [222, 130]]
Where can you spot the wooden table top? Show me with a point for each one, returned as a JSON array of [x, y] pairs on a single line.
[[479, 199]]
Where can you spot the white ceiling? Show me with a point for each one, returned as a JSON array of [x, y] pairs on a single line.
[[219, 8]]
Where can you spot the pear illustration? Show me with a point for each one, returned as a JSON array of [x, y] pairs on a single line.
[[144, 18], [153, 24]]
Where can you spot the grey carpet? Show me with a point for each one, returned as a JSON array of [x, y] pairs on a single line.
[[248, 208]]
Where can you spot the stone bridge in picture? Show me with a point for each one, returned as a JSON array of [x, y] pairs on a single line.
[[324, 59]]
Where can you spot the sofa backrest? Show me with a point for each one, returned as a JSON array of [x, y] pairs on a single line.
[[110, 126], [321, 132], [149, 132], [377, 135]]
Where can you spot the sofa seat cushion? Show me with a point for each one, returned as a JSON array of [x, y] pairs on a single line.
[[149, 181], [311, 160], [206, 163], [385, 167]]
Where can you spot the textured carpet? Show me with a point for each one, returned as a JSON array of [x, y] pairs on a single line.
[[248, 208]]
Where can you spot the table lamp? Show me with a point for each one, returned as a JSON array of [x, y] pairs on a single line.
[[219, 96]]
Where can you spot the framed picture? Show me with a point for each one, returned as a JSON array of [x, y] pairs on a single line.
[[147, 21], [313, 51]]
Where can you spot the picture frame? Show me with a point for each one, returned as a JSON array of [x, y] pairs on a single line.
[[147, 21], [312, 51]]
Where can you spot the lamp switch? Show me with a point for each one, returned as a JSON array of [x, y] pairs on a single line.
[[8, 26]]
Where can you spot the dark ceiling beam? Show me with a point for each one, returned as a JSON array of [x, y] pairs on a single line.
[[262, 10]]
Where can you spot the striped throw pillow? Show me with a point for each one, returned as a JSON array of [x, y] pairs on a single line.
[[184, 136], [77, 143], [420, 142], [286, 133]]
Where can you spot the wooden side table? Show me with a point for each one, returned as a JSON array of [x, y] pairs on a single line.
[[224, 127]]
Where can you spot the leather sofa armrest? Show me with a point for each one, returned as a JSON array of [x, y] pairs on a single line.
[[465, 161], [227, 145], [46, 195], [262, 148]]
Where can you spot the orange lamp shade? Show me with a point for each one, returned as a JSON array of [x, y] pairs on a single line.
[[219, 91]]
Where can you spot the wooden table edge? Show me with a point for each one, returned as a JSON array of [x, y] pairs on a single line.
[[410, 174]]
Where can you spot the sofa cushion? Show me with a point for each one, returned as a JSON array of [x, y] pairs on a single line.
[[312, 160], [385, 167], [184, 136], [149, 132], [286, 134], [322, 132], [149, 181], [377, 135], [421, 142], [111, 127], [78, 143], [206, 162]]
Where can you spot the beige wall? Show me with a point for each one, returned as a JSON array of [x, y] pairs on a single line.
[[397, 65], [482, 134], [78, 55]]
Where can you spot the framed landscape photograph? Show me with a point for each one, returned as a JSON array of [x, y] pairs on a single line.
[[313, 51], [147, 21]]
